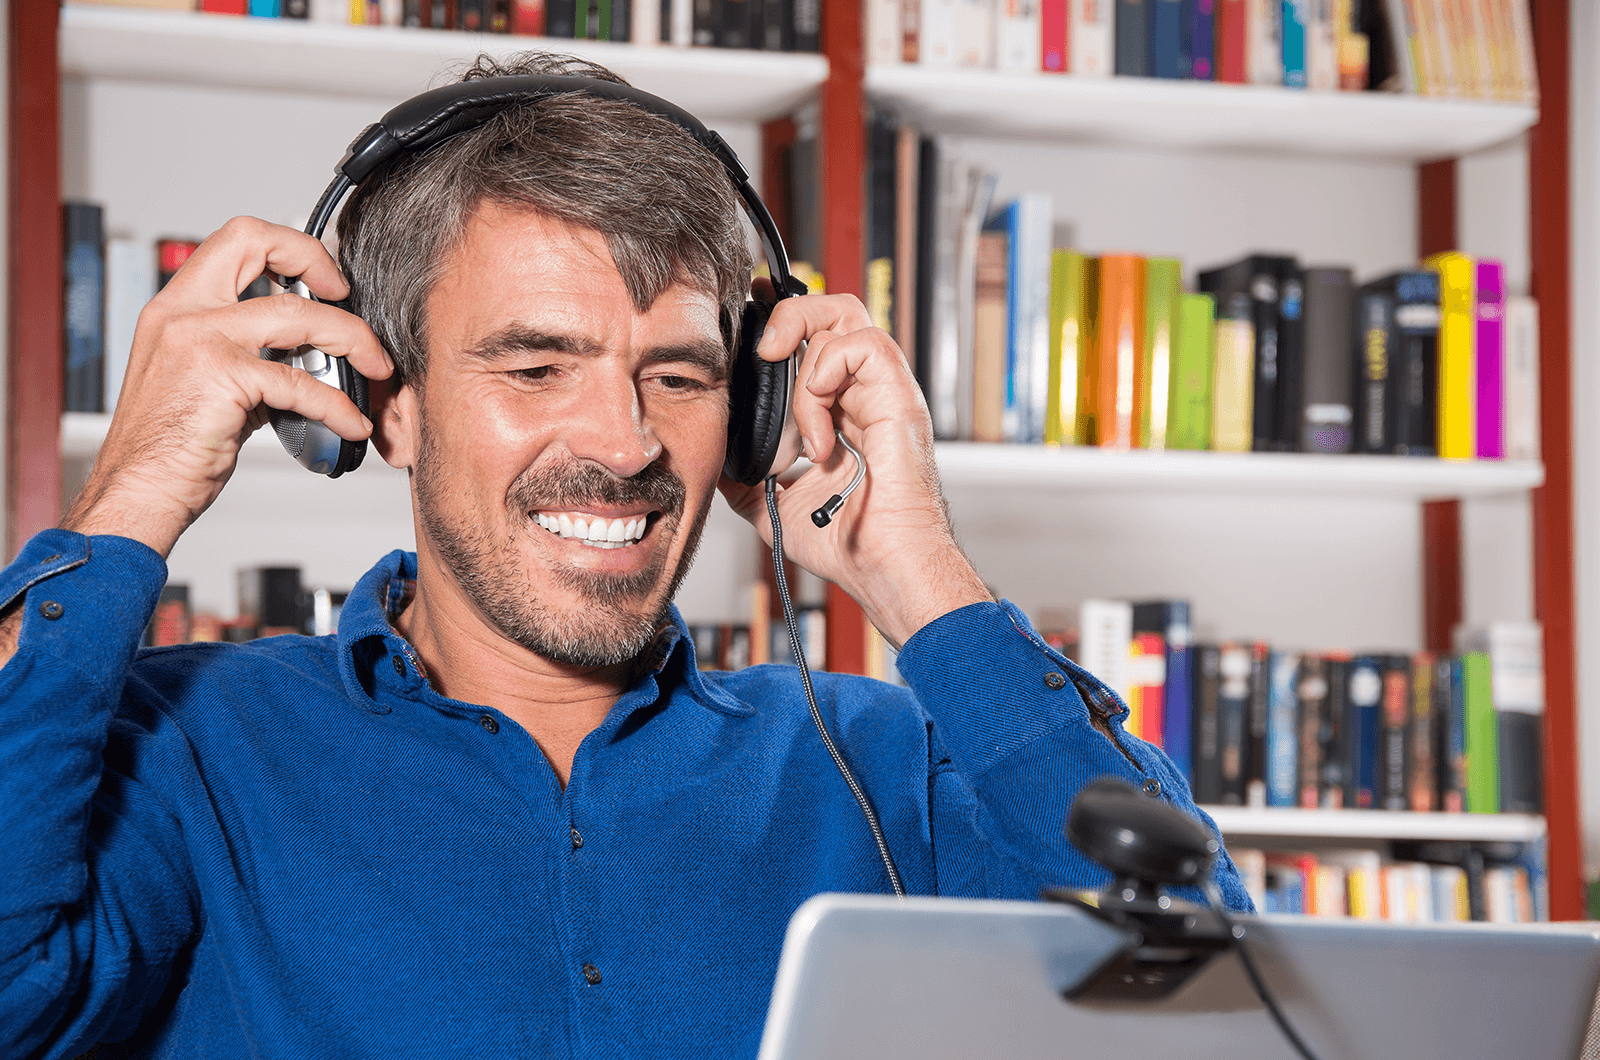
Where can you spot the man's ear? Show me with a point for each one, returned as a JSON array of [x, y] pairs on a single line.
[[394, 420]]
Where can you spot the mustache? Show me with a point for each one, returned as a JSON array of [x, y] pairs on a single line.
[[580, 484]]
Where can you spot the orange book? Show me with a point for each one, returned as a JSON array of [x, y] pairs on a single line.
[[1147, 682], [1119, 351]]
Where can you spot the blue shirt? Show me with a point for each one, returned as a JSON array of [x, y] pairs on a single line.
[[297, 848]]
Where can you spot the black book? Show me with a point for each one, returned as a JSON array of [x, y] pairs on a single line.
[[617, 23], [707, 21], [776, 29], [561, 18], [1255, 751], [927, 255], [1233, 713], [1363, 707], [1411, 396], [1326, 411], [1291, 357], [1207, 724], [1394, 773], [1521, 751], [83, 307], [1372, 353], [734, 29], [295, 9], [806, 20], [1132, 24], [415, 14], [882, 179], [1331, 733], [1312, 688], [1264, 279]]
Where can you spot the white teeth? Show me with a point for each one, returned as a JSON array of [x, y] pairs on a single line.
[[616, 531], [633, 531], [566, 527], [580, 528], [598, 531], [595, 530]]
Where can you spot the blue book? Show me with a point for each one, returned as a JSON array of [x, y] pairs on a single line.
[[1131, 24], [1168, 57], [264, 8], [1283, 730], [1029, 221], [1200, 41], [1363, 707], [1170, 618], [1294, 43], [84, 302]]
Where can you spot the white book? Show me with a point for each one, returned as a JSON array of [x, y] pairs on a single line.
[[646, 18], [1263, 44], [884, 34], [1105, 630], [1499, 895], [936, 36], [1028, 355], [1449, 894], [1363, 871], [1522, 378], [130, 283], [975, 33], [1091, 37], [1322, 46], [1403, 30], [1516, 666], [680, 23], [944, 328], [1017, 36], [1522, 30], [389, 12], [330, 11]]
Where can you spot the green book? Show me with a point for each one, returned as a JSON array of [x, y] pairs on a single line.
[[1163, 286], [1068, 336], [1483, 752], [1189, 406]]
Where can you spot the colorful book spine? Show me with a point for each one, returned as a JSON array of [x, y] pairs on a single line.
[[264, 8], [1311, 690], [1293, 28], [1163, 287], [1283, 730], [1189, 403], [83, 307], [1167, 54], [1457, 367], [1374, 324], [1363, 705], [1483, 753], [1264, 42], [1233, 712], [1200, 39], [1054, 53], [1326, 410], [1393, 764], [1119, 340], [1422, 740], [1490, 359], [1232, 376], [1028, 317], [1450, 693], [989, 338], [1231, 36], [1069, 336], [1147, 678]]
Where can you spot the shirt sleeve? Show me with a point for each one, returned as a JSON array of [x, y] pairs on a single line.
[[95, 897], [1018, 727]]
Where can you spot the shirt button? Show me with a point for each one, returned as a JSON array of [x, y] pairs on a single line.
[[1151, 787], [591, 975], [399, 666], [51, 610], [1054, 681], [490, 726], [577, 838]]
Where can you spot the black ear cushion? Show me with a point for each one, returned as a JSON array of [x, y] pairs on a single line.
[[758, 399]]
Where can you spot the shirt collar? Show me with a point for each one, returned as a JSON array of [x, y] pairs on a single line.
[[366, 639]]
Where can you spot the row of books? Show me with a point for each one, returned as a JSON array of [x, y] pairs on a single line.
[[1470, 49], [1254, 725], [1018, 340], [765, 25], [272, 602], [1460, 883]]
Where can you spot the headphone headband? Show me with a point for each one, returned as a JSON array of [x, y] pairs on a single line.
[[440, 113]]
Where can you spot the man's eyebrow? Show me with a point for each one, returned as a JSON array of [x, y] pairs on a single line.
[[710, 357], [516, 338]]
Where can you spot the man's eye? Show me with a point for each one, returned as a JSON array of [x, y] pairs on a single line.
[[534, 374], [679, 382]]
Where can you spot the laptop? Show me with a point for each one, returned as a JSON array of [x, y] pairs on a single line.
[[930, 978]]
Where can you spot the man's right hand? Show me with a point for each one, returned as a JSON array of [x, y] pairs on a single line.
[[196, 384]]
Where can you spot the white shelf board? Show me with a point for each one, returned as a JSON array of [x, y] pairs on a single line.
[[977, 466], [1151, 112], [1237, 821], [389, 64]]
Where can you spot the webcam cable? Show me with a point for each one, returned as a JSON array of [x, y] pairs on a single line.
[[1218, 906]]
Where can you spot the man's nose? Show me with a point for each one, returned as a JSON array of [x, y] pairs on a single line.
[[611, 428]]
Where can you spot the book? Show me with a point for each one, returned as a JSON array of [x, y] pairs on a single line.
[[882, 212], [1482, 743], [908, 207], [1451, 739], [1263, 42], [83, 307], [884, 43], [1256, 725], [1131, 28], [1394, 780], [1274, 290], [1333, 733], [645, 20], [1327, 411], [1283, 730], [1373, 355], [1207, 776], [1457, 364], [1090, 37], [130, 281], [974, 32], [1169, 619], [1030, 221], [1200, 39], [169, 624], [1311, 689], [1521, 378], [1162, 287], [1189, 399], [1069, 336], [1515, 653], [1167, 55], [936, 33], [1489, 359], [1054, 53], [806, 20], [1116, 368], [1233, 713], [527, 17], [1291, 358], [1105, 630], [1322, 45], [1018, 36], [1421, 739], [1232, 374], [1147, 679], [1231, 39], [1411, 384], [1292, 26], [989, 337], [1364, 696]]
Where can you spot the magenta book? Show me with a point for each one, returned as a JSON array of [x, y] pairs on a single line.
[[1491, 342]]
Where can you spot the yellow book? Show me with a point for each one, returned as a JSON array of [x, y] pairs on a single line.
[[1457, 363], [1163, 286], [1233, 368], [1068, 336]]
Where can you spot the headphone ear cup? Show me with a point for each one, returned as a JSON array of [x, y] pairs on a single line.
[[758, 400]]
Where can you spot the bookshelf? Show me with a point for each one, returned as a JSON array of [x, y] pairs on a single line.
[[1243, 822], [1026, 121]]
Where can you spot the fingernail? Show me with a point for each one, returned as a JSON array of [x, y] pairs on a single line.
[[765, 343], [368, 423], [805, 447]]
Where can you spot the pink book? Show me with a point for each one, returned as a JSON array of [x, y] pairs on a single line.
[[1491, 344], [1053, 31]]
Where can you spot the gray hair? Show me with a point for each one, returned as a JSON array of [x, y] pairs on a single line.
[[664, 204]]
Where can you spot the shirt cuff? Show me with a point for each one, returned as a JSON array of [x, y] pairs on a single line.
[[991, 682], [78, 589]]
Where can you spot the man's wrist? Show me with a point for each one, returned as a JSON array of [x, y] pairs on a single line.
[[916, 587]]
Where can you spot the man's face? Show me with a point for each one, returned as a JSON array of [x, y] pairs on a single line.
[[566, 447]]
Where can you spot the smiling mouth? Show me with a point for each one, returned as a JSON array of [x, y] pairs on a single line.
[[596, 530]]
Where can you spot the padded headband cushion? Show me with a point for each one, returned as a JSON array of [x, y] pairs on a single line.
[[758, 398]]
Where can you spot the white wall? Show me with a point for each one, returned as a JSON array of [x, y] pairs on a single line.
[[170, 161]]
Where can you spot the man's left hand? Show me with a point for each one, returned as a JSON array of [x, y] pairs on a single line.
[[890, 546]]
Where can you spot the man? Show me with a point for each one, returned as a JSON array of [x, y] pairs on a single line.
[[502, 812]]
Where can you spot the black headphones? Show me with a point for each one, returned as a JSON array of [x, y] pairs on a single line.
[[759, 391]]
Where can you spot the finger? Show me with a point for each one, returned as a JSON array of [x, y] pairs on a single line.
[[869, 356], [291, 390], [286, 321], [235, 254], [795, 320], [813, 412]]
